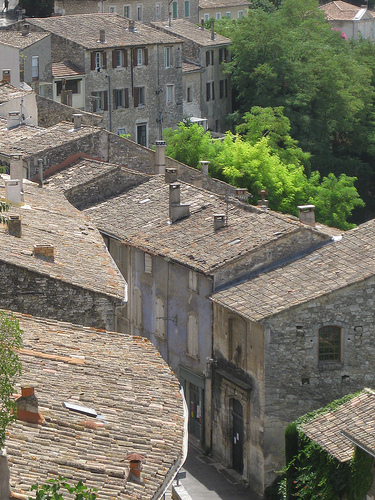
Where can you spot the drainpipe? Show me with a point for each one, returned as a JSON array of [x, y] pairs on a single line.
[[109, 102]]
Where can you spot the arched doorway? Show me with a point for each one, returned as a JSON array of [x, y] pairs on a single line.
[[237, 436]]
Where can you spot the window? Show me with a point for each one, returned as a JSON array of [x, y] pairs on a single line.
[[98, 60], [127, 11], [158, 10], [112, 9], [139, 12], [210, 91], [160, 319], [139, 97], [192, 335], [148, 263], [228, 14], [330, 343], [209, 58], [240, 14], [121, 131], [120, 98], [223, 88], [100, 103], [73, 85], [193, 281], [142, 134], [168, 57], [174, 10], [137, 307], [35, 67], [140, 57], [206, 17], [218, 15], [223, 55], [119, 58], [169, 94], [189, 94], [187, 8]]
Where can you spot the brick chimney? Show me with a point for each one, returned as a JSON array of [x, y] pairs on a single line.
[[307, 214], [263, 202], [204, 167], [160, 157], [15, 227], [242, 194], [135, 466], [44, 252], [16, 166], [176, 210], [27, 407], [170, 175], [219, 221]]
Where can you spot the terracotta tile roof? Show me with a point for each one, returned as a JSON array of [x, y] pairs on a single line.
[[190, 67], [29, 140], [81, 257], [84, 29], [189, 31], [16, 39], [352, 422], [62, 69], [191, 241], [222, 4], [343, 11], [125, 380], [330, 268], [8, 92]]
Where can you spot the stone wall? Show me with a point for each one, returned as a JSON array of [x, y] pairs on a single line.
[[51, 112], [296, 382], [39, 295]]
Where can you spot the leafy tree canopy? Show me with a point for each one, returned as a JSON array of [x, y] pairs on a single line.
[[50, 490], [37, 8]]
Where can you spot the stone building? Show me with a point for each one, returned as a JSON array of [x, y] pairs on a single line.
[[25, 57], [353, 21], [132, 72], [96, 406], [144, 11], [18, 106], [53, 260], [208, 91], [289, 341], [217, 9]]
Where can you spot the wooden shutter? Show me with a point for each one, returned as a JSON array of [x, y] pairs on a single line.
[[94, 102], [220, 56], [126, 98], [135, 58], [136, 93], [114, 59], [207, 58], [105, 99], [114, 99], [104, 60], [207, 91], [145, 53], [125, 58], [213, 91], [221, 89], [212, 55], [92, 61]]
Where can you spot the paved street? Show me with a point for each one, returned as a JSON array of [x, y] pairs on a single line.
[[208, 480]]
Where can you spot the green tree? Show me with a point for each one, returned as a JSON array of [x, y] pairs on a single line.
[[37, 8], [10, 367], [4, 207], [50, 490]]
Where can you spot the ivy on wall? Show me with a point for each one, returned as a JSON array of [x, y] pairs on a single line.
[[312, 473]]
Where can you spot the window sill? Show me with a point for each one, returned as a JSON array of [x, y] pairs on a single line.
[[192, 356], [330, 365]]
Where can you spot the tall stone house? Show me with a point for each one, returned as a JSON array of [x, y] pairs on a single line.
[[145, 11], [131, 72], [218, 9], [207, 89], [353, 21], [289, 341]]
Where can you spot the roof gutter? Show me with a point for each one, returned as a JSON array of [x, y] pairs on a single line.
[[180, 459]]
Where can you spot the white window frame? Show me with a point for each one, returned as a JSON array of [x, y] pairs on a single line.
[[218, 15], [189, 89], [206, 17], [228, 14], [127, 9], [240, 14], [193, 280], [120, 58], [98, 60], [169, 93], [112, 9], [121, 131], [140, 57], [168, 57], [192, 335], [139, 12], [148, 264], [35, 67], [158, 11]]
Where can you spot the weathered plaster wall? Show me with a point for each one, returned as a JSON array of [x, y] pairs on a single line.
[[296, 382]]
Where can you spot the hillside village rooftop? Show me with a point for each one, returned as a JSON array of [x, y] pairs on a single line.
[[190, 31], [125, 381], [20, 41]]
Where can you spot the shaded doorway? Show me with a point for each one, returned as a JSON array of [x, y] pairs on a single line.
[[237, 436]]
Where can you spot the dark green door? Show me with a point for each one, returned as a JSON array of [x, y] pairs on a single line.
[[237, 458]]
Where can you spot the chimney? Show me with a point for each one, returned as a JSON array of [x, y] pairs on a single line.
[[170, 175], [202, 24], [14, 191], [219, 221], [27, 407], [131, 25], [204, 167], [14, 227], [77, 120], [13, 119], [44, 252], [242, 194], [135, 466], [6, 75], [263, 202], [16, 166], [160, 157], [25, 29], [4, 475], [176, 210], [212, 29], [40, 172], [307, 214], [102, 36]]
